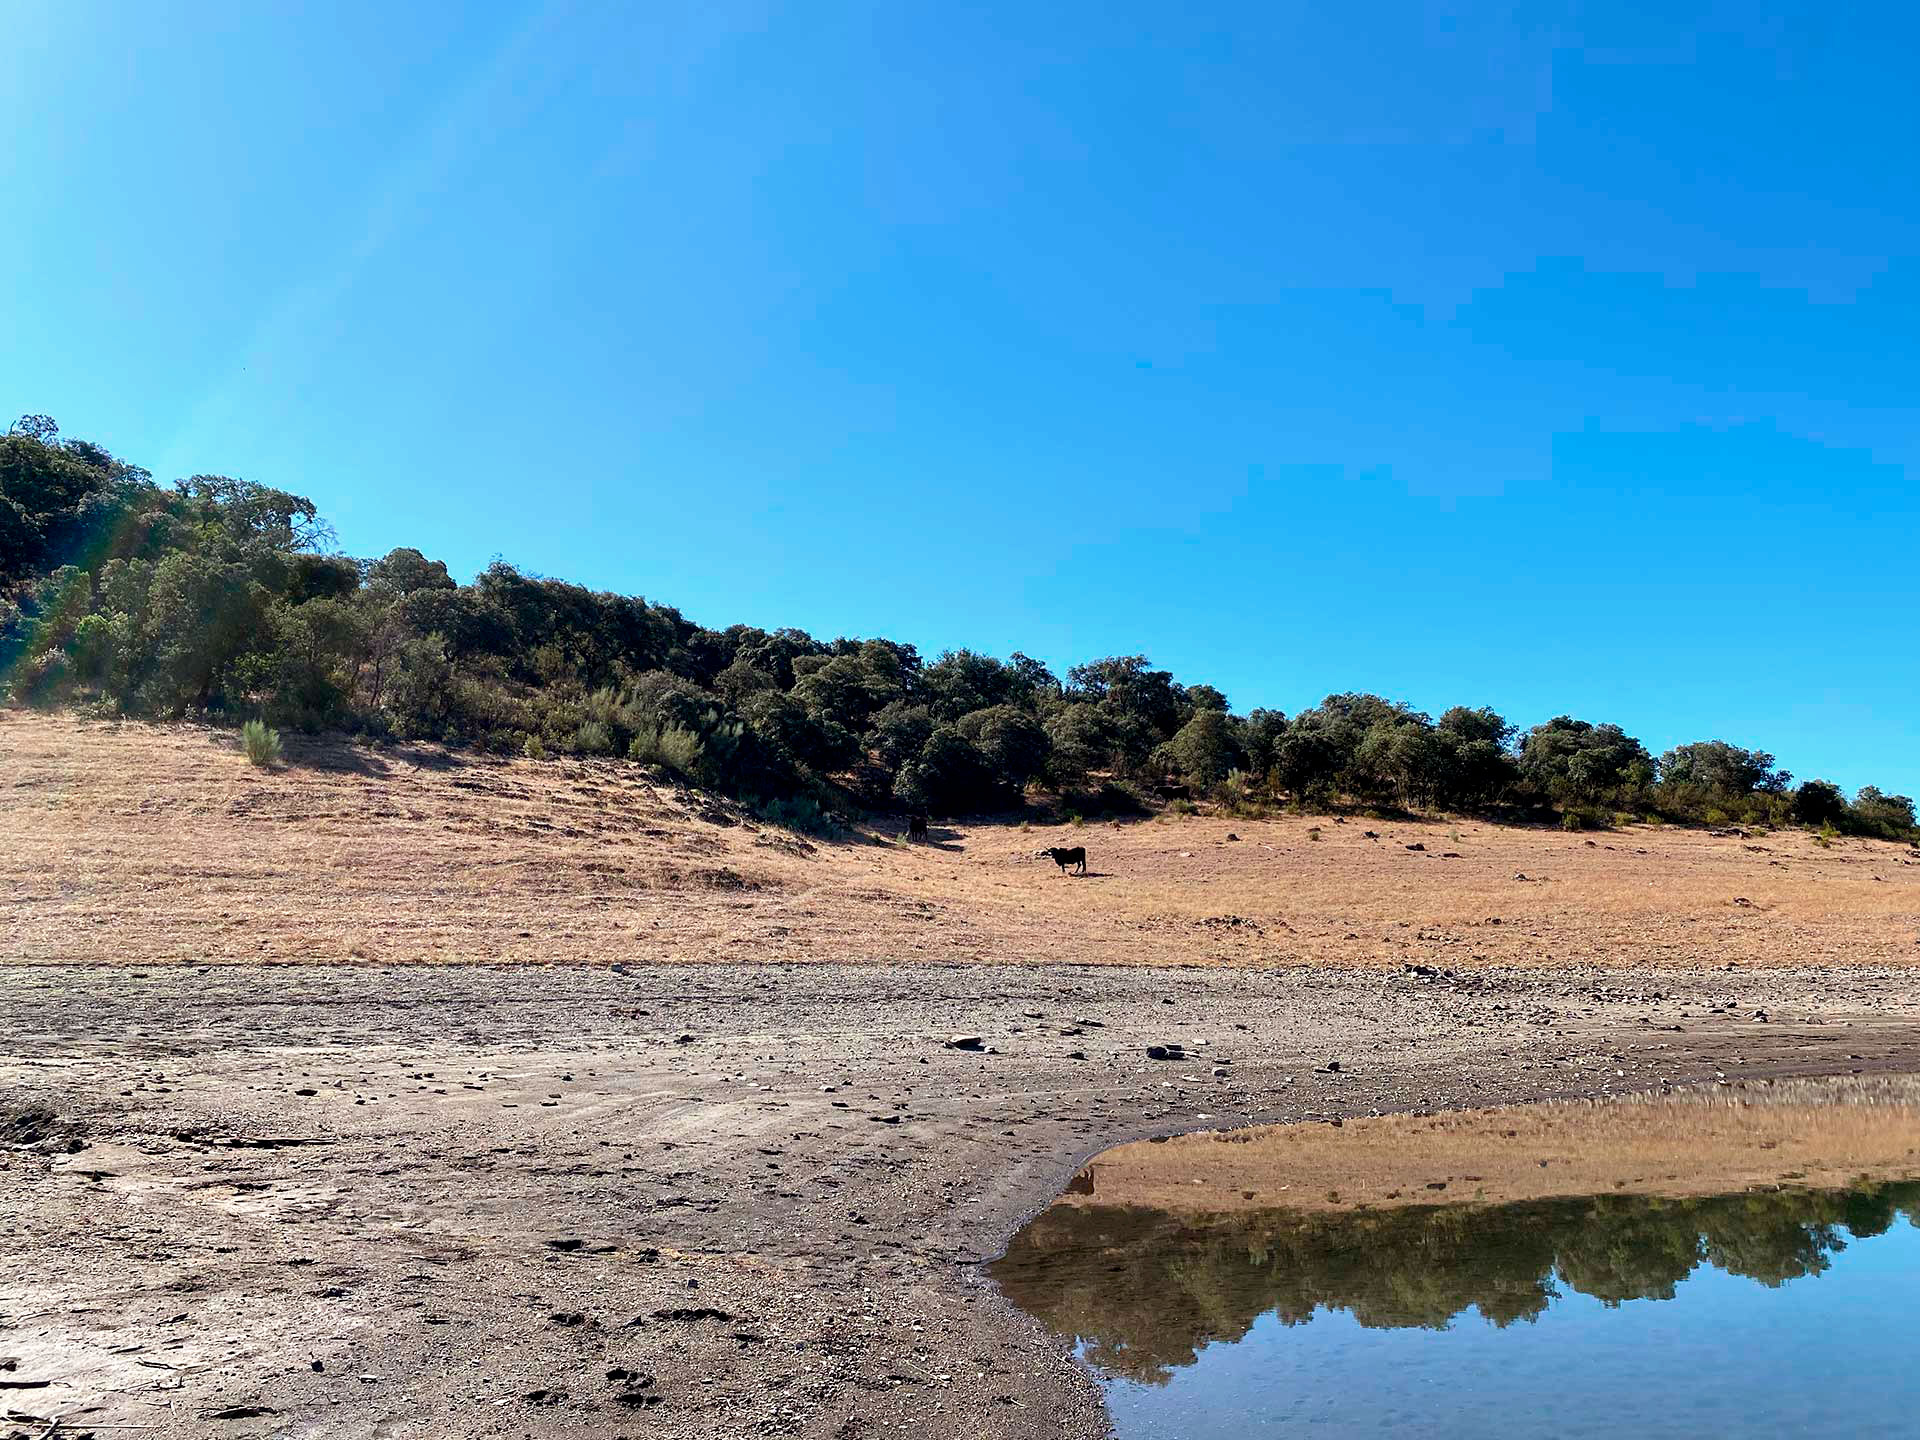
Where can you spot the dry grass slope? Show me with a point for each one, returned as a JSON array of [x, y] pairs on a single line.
[[144, 845]]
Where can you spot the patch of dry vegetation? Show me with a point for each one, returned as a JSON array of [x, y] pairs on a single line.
[[139, 844]]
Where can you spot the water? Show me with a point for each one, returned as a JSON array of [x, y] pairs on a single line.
[[1783, 1312]]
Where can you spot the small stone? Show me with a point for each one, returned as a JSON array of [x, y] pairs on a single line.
[[965, 1042]]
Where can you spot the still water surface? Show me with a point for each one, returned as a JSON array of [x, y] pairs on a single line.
[[1756, 1314]]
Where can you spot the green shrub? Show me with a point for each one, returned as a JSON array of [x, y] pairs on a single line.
[[799, 812], [676, 749], [1313, 832], [534, 749], [261, 742], [593, 738]]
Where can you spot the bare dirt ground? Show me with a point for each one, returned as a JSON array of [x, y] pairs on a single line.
[[131, 844], [638, 1198]]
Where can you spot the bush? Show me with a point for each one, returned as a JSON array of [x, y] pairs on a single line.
[[593, 738], [1874, 812], [261, 742], [799, 812], [676, 749], [44, 679], [534, 749]]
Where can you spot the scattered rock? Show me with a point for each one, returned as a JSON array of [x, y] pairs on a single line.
[[1416, 845], [1166, 1052], [965, 1042], [26, 1124]]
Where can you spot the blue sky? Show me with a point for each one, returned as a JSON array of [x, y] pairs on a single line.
[[1562, 363]]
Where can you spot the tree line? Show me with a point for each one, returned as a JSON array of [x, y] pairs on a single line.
[[222, 597], [1145, 1291]]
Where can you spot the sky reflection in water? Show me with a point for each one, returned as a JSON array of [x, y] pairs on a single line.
[[1757, 1314]]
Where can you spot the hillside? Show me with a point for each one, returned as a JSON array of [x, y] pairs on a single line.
[[134, 844]]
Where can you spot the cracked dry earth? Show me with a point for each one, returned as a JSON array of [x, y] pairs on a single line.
[[700, 1201]]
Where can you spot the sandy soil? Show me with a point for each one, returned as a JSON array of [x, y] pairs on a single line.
[[1815, 1133], [452, 1201], [131, 844]]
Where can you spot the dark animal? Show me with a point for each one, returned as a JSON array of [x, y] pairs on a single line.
[[1063, 857], [916, 827]]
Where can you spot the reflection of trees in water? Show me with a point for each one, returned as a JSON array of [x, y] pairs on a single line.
[[1145, 1289]]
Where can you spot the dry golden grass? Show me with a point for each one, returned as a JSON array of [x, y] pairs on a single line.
[[1697, 1143], [133, 843]]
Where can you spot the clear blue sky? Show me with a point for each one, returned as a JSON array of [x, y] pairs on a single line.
[[1563, 364]]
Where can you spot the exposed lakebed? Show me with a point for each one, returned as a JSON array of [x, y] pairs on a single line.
[[1725, 1262]]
